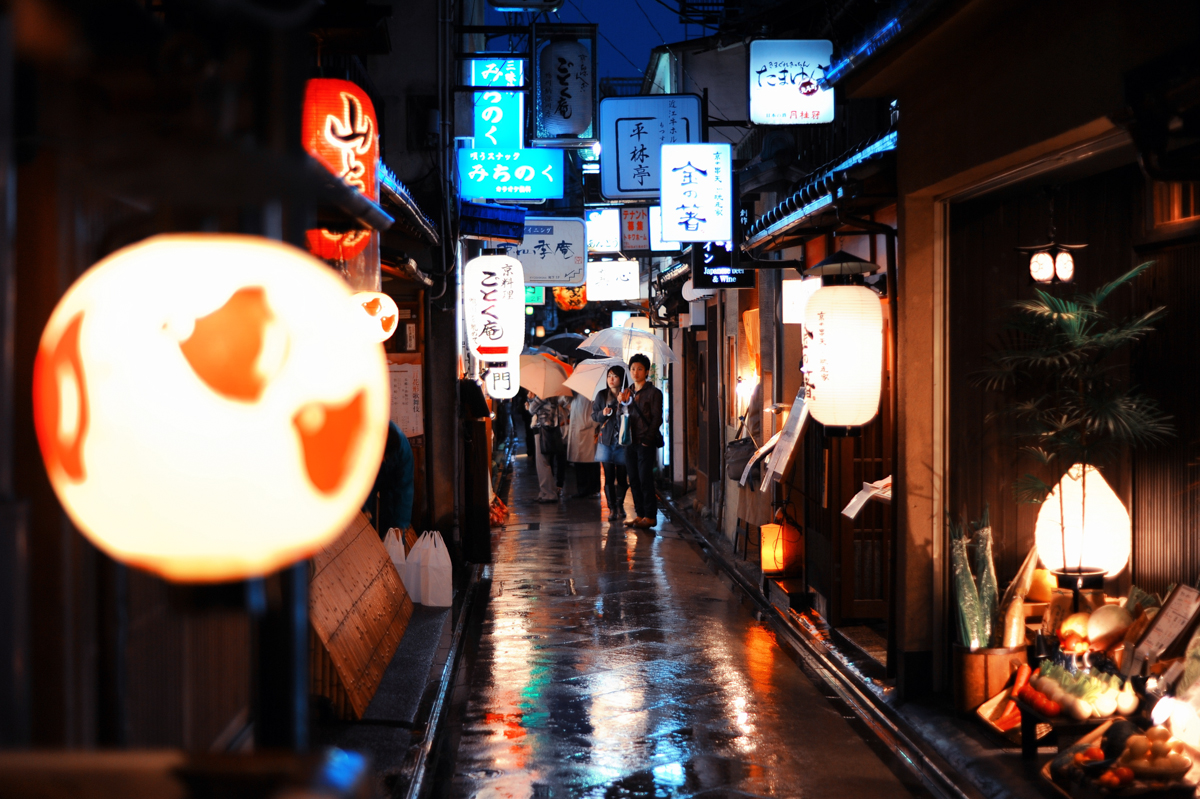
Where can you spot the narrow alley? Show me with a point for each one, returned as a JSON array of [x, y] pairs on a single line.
[[617, 663]]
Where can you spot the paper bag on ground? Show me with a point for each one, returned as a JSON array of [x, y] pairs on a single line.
[[437, 574], [412, 568], [393, 542]]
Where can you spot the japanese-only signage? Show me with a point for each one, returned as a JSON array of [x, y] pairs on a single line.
[[714, 267], [494, 307], [339, 129], [697, 192], [553, 252], [656, 232], [570, 298], [604, 230], [635, 228], [613, 280], [510, 174], [503, 380], [632, 133], [565, 84], [407, 410], [498, 118], [785, 86], [497, 73]]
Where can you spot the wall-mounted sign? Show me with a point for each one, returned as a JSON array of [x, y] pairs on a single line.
[[565, 88], [635, 228], [503, 380], [510, 174], [553, 252], [493, 290], [632, 133], [613, 280], [656, 230], [534, 295], [714, 266], [340, 130], [697, 192], [499, 118], [784, 82], [497, 73], [604, 229]]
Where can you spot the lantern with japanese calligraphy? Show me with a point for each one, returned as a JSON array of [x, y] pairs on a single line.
[[565, 90], [570, 298], [379, 314], [209, 407], [494, 307], [503, 380], [843, 346]]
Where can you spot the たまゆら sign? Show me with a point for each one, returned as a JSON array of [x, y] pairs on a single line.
[[785, 86]]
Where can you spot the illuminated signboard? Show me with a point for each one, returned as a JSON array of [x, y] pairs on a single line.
[[498, 118], [613, 280], [565, 85], [635, 229], [784, 82], [632, 133], [513, 174], [656, 239], [697, 192], [714, 267], [503, 380], [535, 295], [553, 252], [604, 230], [493, 290], [497, 73]]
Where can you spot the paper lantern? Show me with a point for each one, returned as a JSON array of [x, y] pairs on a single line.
[[1041, 267], [379, 313], [494, 307], [337, 246], [1064, 266], [1097, 529], [208, 407], [782, 547], [570, 298], [565, 101], [795, 297], [843, 355], [503, 380]]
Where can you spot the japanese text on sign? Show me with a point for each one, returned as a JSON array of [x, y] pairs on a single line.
[[613, 280], [785, 86], [604, 230], [553, 252], [498, 120], [697, 192], [510, 174], [497, 73], [632, 132], [635, 228], [494, 307], [407, 410]]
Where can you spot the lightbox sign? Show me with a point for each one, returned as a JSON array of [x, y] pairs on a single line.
[[534, 295], [613, 280], [565, 86], [498, 120], [632, 133], [510, 174], [656, 230], [785, 86], [494, 307], [604, 230], [503, 380], [635, 228], [508, 73], [553, 252], [697, 192], [714, 267]]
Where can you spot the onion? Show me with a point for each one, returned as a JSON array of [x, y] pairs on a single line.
[[1108, 625]]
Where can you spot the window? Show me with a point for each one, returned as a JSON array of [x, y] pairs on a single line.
[[1176, 202]]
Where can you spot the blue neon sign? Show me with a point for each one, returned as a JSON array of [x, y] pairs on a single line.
[[510, 174], [496, 73], [498, 120]]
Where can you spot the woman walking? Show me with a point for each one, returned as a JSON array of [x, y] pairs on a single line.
[[549, 417], [607, 411], [641, 456]]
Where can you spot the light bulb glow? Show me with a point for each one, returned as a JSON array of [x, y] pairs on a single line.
[[1041, 267], [843, 355], [1098, 534], [1064, 266], [796, 294]]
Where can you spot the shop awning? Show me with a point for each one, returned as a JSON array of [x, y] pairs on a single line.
[[397, 196], [807, 207]]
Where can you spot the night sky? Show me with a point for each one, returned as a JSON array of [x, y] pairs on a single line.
[[630, 36]]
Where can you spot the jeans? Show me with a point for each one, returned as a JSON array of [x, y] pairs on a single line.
[[639, 463]]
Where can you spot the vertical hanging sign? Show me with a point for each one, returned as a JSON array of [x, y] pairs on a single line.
[[635, 228], [494, 307], [632, 133], [565, 89], [697, 192], [499, 113], [785, 82]]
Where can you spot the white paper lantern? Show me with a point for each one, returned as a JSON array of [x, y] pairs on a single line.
[[565, 104], [494, 307], [378, 313], [209, 407], [843, 355], [1097, 532], [1064, 266], [796, 294], [1041, 267], [503, 380]]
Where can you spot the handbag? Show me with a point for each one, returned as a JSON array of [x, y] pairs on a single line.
[[738, 453], [552, 440]]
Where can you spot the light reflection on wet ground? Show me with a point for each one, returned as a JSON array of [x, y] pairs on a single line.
[[615, 663]]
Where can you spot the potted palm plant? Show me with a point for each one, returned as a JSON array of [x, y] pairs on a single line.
[[1072, 408]]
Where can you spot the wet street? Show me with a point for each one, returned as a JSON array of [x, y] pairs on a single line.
[[614, 663]]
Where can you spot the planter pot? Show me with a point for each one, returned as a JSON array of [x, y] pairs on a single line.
[[980, 675]]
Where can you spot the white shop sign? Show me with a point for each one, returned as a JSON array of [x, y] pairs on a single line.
[[785, 86], [613, 280], [632, 132], [697, 192], [554, 251], [493, 289], [635, 229], [604, 229]]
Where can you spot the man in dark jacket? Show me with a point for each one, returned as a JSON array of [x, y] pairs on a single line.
[[645, 421]]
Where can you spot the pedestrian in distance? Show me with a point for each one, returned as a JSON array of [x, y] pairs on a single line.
[[607, 411], [645, 409], [549, 419], [581, 448]]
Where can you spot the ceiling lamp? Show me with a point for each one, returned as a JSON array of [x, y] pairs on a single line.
[[1052, 262]]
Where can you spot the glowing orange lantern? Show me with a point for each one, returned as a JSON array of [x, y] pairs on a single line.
[[782, 546], [570, 298], [341, 131], [381, 314], [208, 407]]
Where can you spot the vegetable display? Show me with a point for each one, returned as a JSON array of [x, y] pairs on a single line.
[[1155, 755], [1083, 696]]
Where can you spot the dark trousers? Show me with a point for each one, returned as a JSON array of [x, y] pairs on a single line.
[[616, 484], [587, 477], [639, 463]]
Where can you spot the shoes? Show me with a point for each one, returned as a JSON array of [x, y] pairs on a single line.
[[643, 523], [631, 522], [547, 500], [619, 513]]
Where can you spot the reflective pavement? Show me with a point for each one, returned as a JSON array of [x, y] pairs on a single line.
[[614, 663]]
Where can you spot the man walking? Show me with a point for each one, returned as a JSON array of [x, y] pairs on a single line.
[[641, 457]]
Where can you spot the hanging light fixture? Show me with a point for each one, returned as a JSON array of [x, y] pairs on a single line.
[[1052, 262], [843, 345]]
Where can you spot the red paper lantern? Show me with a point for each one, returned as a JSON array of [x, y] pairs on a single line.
[[570, 298], [341, 131]]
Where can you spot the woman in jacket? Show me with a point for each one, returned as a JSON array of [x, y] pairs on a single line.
[[607, 411], [548, 413], [581, 448]]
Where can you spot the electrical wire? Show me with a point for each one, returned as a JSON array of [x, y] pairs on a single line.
[[605, 38]]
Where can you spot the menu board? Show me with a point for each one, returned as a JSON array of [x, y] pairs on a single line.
[[1174, 619], [407, 404], [792, 430]]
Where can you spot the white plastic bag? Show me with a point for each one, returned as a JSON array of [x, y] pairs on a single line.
[[393, 542], [437, 573], [412, 568]]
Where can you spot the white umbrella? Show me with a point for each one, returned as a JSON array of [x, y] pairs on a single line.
[[589, 376], [544, 375], [624, 342]]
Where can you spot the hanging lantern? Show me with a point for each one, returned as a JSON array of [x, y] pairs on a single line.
[[1097, 532], [494, 307], [782, 546], [795, 296], [208, 407], [570, 298], [1064, 266], [565, 90], [539, 331], [380, 314], [503, 380], [1052, 262], [1041, 267]]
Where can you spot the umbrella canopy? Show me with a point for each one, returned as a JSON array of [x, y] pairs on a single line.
[[623, 342], [544, 375], [566, 343], [589, 376]]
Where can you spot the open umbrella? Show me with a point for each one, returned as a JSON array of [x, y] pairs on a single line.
[[544, 375], [565, 343], [589, 376], [623, 342]]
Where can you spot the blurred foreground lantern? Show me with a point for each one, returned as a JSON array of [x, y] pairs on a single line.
[[782, 546], [1089, 526], [379, 313], [493, 290], [843, 345], [208, 407]]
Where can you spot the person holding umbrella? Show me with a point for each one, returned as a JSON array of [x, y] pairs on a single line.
[[645, 409], [607, 412]]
